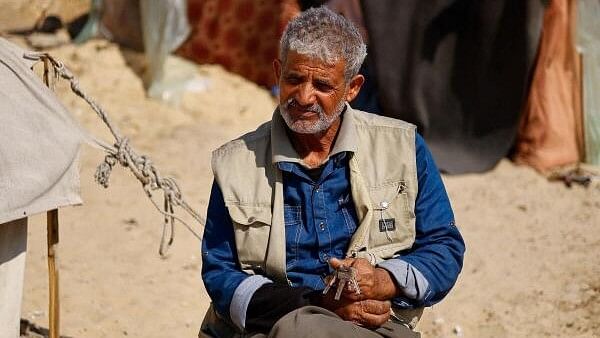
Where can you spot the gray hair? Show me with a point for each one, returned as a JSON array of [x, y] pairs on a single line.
[[323, 34]]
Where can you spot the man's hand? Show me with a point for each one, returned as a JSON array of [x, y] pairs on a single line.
[[368, 313], [375, 283]]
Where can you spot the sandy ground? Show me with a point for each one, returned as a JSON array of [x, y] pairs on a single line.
[[531, 270]]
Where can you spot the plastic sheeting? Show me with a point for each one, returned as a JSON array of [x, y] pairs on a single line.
[[157, 28], [164, 28], [588, 41], [39, 142]]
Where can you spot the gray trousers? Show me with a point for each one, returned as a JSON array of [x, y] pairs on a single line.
[[316, 322]]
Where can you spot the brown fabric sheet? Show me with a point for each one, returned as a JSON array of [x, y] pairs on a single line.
[[550, 132], [122, 19]]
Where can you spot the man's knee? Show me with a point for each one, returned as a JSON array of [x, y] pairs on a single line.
[[316, 322]]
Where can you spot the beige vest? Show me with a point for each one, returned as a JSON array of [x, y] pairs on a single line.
[[383, 180]]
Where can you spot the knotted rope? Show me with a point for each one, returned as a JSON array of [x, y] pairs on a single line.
[[121, 152]]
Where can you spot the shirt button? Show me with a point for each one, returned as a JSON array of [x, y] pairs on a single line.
[[324, 257], [322, 226]]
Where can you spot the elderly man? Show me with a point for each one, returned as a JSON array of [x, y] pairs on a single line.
[[323, 187]]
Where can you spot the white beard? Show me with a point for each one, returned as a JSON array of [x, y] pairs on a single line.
[[308, 127]]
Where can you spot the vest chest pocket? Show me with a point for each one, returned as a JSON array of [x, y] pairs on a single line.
[[251, 227], [393, 224]]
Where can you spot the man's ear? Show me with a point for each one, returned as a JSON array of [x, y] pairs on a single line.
[[277, 69], [354, 87]]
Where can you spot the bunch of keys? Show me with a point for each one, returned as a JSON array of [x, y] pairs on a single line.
[[343, 275]]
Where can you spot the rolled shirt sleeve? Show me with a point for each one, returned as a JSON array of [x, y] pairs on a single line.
[[242, 296], [411, 282]]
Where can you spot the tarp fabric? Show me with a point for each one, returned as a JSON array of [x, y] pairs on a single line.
[[13, 248], [39, 142], [588, 40], [551, 130], [458, 69], [164, 28]]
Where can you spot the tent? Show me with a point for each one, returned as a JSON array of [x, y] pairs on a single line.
[[39, 150], [39, 147], [459, 70]]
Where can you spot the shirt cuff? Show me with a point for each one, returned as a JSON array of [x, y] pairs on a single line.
[[242, 296], [410, 280]]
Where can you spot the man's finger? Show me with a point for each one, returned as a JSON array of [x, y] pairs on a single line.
[[361, 261], [362, 267], [373, 320], [336, 263], [352, 295], [375, 307]]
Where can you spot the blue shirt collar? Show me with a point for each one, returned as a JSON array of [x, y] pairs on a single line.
[[290, 166]]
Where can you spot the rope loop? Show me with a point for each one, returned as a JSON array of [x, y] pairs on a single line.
[[141, 166], [104, 169]]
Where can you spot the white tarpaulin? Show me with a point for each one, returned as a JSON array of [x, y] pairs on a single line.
[[13, 247], [39, 142], [588, 36]]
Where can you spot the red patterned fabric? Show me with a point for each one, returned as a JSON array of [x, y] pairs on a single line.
[[241, 35]]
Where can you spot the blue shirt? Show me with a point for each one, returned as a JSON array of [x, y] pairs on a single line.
[[320, 220]]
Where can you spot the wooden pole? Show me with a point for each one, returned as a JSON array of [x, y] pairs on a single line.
[[54, 304], [52, 235]]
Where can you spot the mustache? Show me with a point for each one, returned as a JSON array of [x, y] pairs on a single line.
[[315, 107]]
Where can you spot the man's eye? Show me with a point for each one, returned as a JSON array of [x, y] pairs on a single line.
[[293, 80], [324, 87]]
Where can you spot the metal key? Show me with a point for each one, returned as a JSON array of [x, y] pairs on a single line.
[[332, 279], [343, 275]]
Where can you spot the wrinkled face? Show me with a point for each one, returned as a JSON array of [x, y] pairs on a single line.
[[312, 92]]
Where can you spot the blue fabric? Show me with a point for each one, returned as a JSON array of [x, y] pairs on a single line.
[[438, 249], [319, 219], [220, 268], [437, 252]]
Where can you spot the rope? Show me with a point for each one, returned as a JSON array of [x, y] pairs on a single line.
[[140, 165]]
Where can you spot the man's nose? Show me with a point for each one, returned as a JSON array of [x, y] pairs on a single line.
[[306, 95]]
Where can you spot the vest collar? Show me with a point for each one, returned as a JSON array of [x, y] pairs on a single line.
[[283, 150]]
